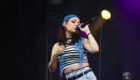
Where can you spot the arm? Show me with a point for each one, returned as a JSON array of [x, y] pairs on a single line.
[[90, 44], [53, 62]]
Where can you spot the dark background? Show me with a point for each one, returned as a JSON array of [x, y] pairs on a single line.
[[29, 29]]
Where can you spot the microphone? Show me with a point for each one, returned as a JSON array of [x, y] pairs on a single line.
[[86, 23]]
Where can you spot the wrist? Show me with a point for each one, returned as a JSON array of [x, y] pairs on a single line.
[[87, 32]]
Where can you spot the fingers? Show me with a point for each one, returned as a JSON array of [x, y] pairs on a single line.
[[81, 23], [62, 48], [79, 27]]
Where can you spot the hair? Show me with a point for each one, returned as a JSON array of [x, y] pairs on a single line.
[[76, 40], [62, 36]]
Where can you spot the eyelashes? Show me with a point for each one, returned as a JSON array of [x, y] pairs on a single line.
[[74, 22]]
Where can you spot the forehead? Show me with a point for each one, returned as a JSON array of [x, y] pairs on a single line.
[[75, 18]]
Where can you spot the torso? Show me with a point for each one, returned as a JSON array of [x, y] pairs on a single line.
[[74, 68]]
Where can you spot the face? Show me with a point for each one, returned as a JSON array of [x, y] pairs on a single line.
[[72, 24]]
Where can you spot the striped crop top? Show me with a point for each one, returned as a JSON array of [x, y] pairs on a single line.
[[70, 56]]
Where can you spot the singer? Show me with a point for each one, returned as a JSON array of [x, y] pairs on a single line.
[[71, 50]]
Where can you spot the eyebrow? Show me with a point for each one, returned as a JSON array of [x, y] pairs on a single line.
[[75, 20]]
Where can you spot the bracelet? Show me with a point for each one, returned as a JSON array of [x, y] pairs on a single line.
[[88, 34]]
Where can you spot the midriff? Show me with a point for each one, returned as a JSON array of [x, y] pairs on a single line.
[[74, 68]]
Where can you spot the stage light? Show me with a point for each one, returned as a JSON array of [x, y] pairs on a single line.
[[106, 14]]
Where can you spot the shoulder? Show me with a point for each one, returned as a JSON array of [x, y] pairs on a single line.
[[84, 41], [56, 44], [55, 47]]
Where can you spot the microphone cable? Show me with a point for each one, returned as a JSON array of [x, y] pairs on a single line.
[[100, 49]]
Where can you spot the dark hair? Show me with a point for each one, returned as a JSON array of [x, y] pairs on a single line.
[[62, 36]]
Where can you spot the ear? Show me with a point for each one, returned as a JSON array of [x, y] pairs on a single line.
[[65, 24]]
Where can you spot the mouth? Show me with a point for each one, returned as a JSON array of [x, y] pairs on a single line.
[[75, 28]]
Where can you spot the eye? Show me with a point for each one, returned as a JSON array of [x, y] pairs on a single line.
[[78, 23], [72, 21]]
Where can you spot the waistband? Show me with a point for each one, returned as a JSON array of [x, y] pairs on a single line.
[[77, 72]]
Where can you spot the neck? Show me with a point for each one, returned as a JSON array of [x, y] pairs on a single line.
[[68, 34]]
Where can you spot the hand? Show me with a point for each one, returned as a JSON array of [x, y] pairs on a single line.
[[61, 49], [85, 29]]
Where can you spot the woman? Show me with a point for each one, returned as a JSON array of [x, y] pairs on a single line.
[[72, 52]]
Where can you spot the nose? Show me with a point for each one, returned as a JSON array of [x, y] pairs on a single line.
[[77, 24]]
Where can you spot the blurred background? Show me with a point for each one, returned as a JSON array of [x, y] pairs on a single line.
[[29, 29]]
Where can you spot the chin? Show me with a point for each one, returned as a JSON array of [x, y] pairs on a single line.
[[74, 31]]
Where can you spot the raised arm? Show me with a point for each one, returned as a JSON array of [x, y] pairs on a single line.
[[90, 44]]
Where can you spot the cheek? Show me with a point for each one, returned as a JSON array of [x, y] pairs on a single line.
[[71, 24], [69, 28]]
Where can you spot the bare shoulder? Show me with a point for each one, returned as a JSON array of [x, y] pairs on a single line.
[[56, 44], [84, 41], [55, 47]]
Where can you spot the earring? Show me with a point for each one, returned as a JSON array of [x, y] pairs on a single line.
[[65, 27]]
